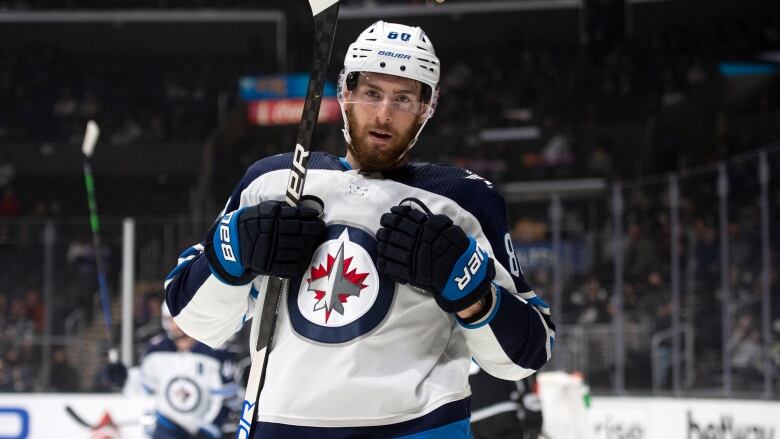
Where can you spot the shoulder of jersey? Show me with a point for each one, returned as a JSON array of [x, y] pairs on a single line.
[[219, 353], [455, 182], [160, 343], [317, 160]]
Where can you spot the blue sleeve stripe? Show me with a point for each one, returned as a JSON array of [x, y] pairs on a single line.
[[178, 268], [186, 283], [189, 252], [520, 332], [459, 429], [225, 391], [539, 303]]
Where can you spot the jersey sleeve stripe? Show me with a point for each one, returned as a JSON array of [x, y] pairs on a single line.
[[515, 317], [189, 277]]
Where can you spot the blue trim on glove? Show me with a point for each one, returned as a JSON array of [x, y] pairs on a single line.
[[462, 280], [226, 245]]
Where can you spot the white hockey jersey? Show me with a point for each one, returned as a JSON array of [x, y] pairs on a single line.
[[378, 359], [191, 389]]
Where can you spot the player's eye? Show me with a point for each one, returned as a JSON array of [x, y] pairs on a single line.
[[372, 94]]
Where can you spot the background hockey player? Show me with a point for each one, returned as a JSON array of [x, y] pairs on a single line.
[[192, 384], [504, 409], [407, 273]]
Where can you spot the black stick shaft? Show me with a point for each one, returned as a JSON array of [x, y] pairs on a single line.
[[325, 21]]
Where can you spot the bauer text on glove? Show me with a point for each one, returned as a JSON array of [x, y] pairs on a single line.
[[270, 238], [432, 253]]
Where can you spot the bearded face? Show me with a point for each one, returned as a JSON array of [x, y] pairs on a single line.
[[384, 113]]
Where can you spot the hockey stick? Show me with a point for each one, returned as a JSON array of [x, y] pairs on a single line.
[[79, 419], [87, 149], [325, 14], [143, 420]]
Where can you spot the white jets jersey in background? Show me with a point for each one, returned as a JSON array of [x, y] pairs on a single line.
[[191, 389], [353, 349]]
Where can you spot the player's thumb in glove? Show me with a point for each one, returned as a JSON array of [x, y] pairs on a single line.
[[270, 238], [432, 253]]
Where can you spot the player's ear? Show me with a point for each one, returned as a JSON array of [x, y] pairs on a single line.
[[422, 114], [346, 100]]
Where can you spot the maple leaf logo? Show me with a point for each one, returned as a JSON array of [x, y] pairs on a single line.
[[335, 284]]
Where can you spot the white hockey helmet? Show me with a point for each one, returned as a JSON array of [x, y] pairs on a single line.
[[393, 49]]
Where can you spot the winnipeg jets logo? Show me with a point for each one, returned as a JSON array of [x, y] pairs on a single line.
[[183, 394], [338, 278], [332, 286], [341, 296]]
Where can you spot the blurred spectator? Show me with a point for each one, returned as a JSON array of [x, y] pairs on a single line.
[[151, 323], [590, 303], [6, 379], [641, 254], [707, 252], [20, 372], [655, 300], [19, 326], [35, 309], [64, 377], [600, 162], [745, 349]]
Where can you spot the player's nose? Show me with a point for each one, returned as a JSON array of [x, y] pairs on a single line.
[[384, 112]]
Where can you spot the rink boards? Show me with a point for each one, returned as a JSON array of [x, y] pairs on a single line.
[[44, 416], [670, 418]]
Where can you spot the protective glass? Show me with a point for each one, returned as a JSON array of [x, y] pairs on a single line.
[[377, 91]]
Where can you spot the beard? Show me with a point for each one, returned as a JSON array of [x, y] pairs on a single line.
[[373, 158]]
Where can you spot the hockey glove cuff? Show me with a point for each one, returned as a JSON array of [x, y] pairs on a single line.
[[270, 238], [431, 253], [224, 253], [469, 280]]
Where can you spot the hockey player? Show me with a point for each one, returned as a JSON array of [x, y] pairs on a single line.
[[192, 384], [504, 409], [407, 273]]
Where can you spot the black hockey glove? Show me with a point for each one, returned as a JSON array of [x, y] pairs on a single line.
[[270, 238], [432, 253]]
